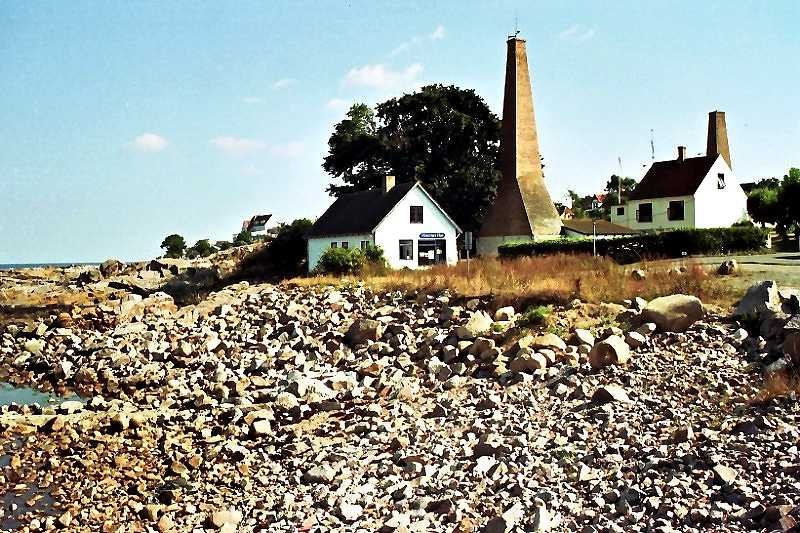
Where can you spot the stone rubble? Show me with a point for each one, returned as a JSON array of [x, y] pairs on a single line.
[[285, 408]]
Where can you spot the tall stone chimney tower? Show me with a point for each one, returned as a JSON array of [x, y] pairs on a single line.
[[718, 136], [523, 209]]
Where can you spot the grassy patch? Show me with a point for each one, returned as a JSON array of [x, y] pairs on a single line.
[[553, 279]]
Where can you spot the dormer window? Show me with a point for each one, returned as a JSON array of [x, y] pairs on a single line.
[[720, 181]]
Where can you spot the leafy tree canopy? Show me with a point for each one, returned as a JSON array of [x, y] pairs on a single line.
[[202, 248], [774, 201], [244, 237], [174, 245], [443, 136]]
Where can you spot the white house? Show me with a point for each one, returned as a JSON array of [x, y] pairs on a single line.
[[404, 220], [695, 192]]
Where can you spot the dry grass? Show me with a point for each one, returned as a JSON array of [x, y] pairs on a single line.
[[777, 385], [543, 280]]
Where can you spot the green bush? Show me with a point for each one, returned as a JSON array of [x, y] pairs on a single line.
[[340, 261], [675, 243], [374, 255], [534, 316]]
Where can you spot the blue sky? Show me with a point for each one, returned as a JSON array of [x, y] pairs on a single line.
[[122, 122]]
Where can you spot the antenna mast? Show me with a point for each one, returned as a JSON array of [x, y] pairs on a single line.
[[619, 181], [652, 146]]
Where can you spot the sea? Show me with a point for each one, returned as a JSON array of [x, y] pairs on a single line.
[[17, 266]]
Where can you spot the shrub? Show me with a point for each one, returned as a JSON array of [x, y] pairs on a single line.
[[535, 316], [676, 243], [341, 261], [202, 248], [243, 238], [374, 255]]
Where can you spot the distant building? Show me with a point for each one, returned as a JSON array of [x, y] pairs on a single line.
[[566, 213], [404, 220], [693, 192], [256, 225]]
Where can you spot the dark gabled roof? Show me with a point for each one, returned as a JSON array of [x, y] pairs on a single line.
[[604, 227], [359, 212], [258, 220], [673, 178]]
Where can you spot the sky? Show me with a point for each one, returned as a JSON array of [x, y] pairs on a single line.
[[122, 122]]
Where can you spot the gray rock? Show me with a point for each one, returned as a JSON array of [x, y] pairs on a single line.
[[363, 330], [674, 313], [610, 393], [611, 351], [760, 298]]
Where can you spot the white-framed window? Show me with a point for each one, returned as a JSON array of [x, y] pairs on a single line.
[[406, 249], [364, 245], [415, 214], [345, 245], [334, 244], [720, 181]]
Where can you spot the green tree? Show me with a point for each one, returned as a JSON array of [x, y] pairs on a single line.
[[762, 204], [287, 251], [202, 248], [223, 245], [789, 203], [243, 238], [174, 245], [617, 187], [582, 206], [442, 136]]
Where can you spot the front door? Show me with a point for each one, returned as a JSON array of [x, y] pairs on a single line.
[[431, 251]]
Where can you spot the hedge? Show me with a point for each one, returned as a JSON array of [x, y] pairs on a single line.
[[675, 243]]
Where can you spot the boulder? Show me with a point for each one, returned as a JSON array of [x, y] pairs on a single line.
[[479, 323], [611, 351], [610, 393], [674, 313], [548, 340], [791, 346], [634, 339], [111, 267], [504, 313], [639, 274], [89, 276], [362, 330], [527, 361], [728, 267], [581, 336], [760, 298]]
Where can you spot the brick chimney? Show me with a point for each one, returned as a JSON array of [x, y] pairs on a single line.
[[718, 136], [388, 183], [681, 153]]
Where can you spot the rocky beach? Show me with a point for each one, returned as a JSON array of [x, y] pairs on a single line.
[[321, 408]]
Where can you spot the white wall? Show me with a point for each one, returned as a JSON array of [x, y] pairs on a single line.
[[719, 208], [396, 226], [318, 245]]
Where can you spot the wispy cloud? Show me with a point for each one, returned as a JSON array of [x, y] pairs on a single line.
[[149, 143], [437, 34], [336, 104], [240, 147], [382, 77], [577, 32], [283, 83]]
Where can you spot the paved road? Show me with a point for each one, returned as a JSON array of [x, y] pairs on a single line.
[[785, 258]]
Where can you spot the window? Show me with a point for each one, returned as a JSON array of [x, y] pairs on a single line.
[[345, 245], [364, 245], [406, 249], [645, 213], [334, 244], [720, 181], [675, 210], [620, 211], [416, 214]]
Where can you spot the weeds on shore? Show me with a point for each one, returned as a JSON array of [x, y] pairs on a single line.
[[554, 279]]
